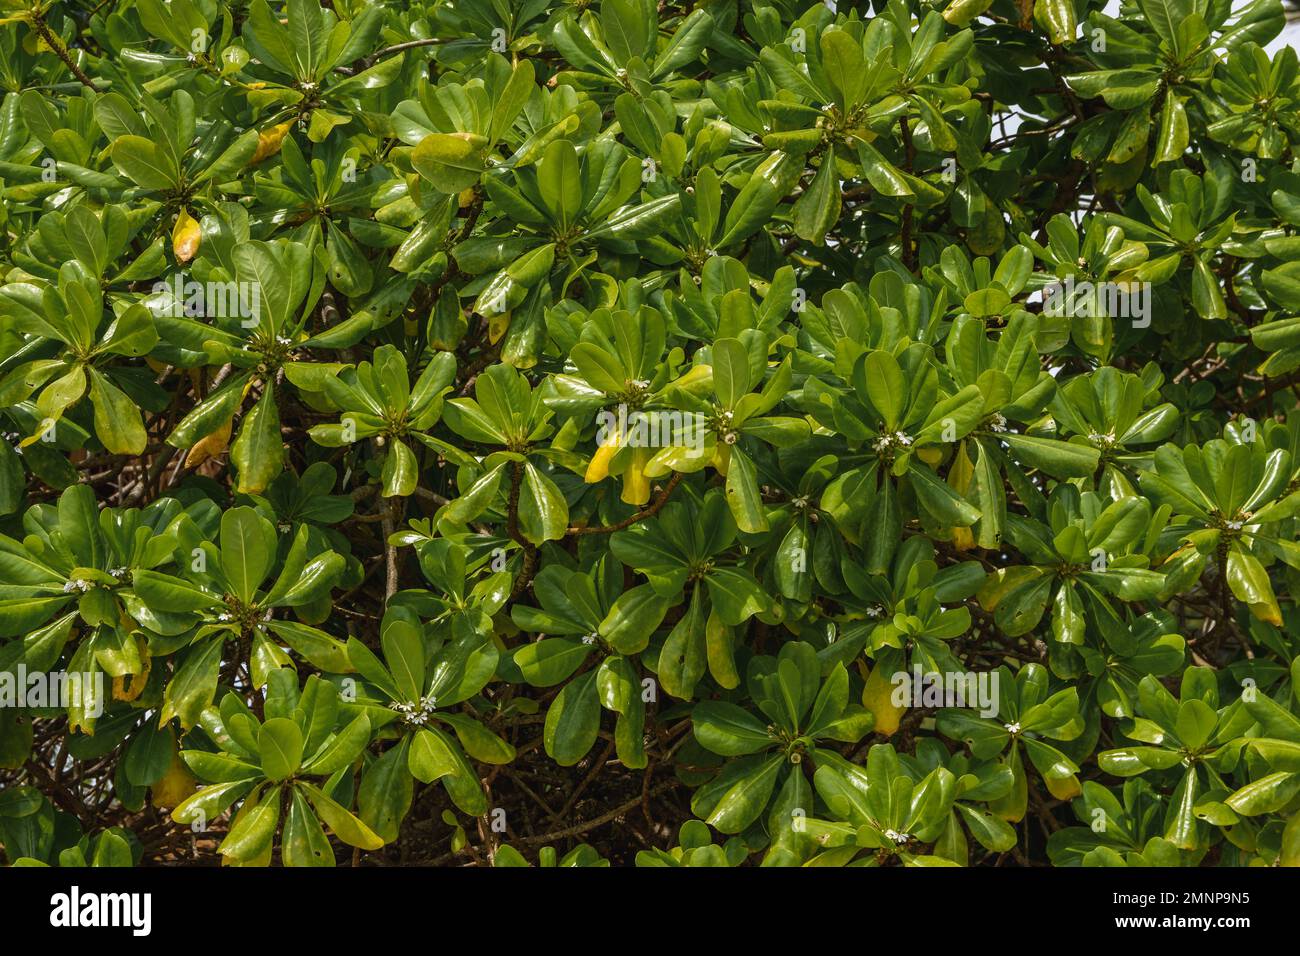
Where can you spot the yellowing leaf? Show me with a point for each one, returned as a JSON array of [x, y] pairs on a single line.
[[1064, 788], [598, 468], [210, 446], [186, 236], [878, 697], [497, 326], [269, 142], [636, 486], [721, 460], [174, 786]]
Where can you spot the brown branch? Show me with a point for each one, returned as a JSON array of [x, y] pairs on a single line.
[[392, 508], [55, 43], [647, 512], [512, 529], [580, 828], [908, 250]]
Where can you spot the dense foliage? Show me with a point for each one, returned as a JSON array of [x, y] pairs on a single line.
[[567, 433]]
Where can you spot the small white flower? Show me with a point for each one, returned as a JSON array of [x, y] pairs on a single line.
[[589, 638], [892, 440], [899, 838], [1012, 728], [415, 714], [997, 423], [225, 616]]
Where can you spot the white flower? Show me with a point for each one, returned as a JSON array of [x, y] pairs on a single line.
[[997, 423], [899, 838], [76, 584], [589, 638], [1013, 728], [415, 714], [891, 440]]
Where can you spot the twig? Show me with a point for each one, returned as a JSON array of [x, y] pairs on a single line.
[[389, 527], [55, 43], [580, 828], [648, 512]]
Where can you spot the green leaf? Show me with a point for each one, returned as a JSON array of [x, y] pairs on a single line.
[[452, 162], [572, 721], [117, 419], [279, 743], [248, 543], [258, 452]]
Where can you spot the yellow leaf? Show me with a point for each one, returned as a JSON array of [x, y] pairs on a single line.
[[962, 472], [598, 468], [930, 454], [210, 446], [497, 326], [269, 141], [174, 786], [1064, 788], [878, 697], [131, 686], [636, 486], [721, 460], [186, 235], [1268, 612], [124, 689], [466, 197]]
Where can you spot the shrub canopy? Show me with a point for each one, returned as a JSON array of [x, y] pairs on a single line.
[[673, 433]]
